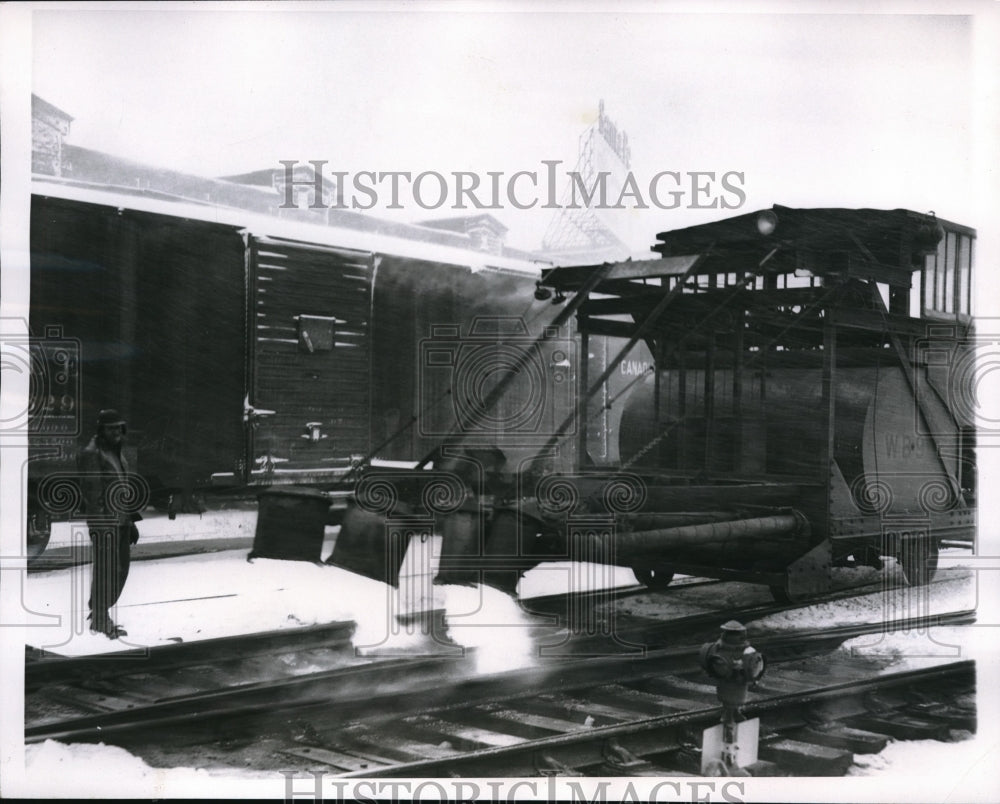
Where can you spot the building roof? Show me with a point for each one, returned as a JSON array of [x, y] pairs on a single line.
[[41, 105], [260, 178], [461, 223], [97, 167]]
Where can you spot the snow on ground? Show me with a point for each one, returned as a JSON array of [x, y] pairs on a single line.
[[156, 527], [559, 577], [923, 757], [899, 649], [68, 771], [223, 594], [198, 597], [952, 590]]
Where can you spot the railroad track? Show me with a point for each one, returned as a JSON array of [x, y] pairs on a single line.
[[74, 696], [599, 627], [650, 727], [249, 665], [647, 721], [558, 603], [248, 669], [410, 703], [43, 668]]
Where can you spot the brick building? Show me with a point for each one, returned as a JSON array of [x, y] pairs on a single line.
[[49, 125]]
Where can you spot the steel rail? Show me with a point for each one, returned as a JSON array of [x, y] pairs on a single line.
[[657, 633], [554, 604], [588, 746], [392, 687], [42, 667]]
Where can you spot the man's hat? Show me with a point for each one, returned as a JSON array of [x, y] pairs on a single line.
[[109, 418]]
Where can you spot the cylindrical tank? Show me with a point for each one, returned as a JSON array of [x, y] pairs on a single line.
[[883, 442], [781, 536]]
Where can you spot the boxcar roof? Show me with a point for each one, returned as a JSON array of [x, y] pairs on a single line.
[[267, 226]]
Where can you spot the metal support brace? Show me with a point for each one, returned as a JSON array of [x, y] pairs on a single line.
[[904, 360], [639, 333]]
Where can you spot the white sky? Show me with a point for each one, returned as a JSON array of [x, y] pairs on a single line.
[[838, 110]]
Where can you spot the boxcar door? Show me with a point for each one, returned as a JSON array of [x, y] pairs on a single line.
[[308, 405]]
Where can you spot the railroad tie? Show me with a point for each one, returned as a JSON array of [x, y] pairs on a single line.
[[810, 758], [567, 708], [954, 717], [619, 761], [903, 727], [643, 703], [97, 702], [337, 759], [460, 735], [398, 747], [857, 741]]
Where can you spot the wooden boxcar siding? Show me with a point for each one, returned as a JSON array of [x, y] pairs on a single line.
[[302, 381], [158, 306], [413, 297], [395, 335]]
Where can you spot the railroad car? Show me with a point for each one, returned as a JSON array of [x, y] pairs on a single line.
[[808, 404], [248, 351], [773, 395]]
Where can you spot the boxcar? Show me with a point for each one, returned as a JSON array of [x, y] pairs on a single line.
[[244, 351]]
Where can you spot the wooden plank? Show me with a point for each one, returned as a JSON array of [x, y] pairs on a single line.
[[601, 712], [572, 277], [956, 717], [333, 272], [764, 768], [338, 759], [865, 319], [521, 724], [857, 741], [671, 685], [340, 274], [93, 701], [401, 747], [640, 769], [547, 722], [638, 700], [807, 758], [700, 305], [284, 246], [281, 287], [781, 682], [838, 709], [157, 687], [902, 727], [461, 734], [278, 301]]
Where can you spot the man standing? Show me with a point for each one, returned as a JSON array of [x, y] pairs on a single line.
[[104, 479]]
